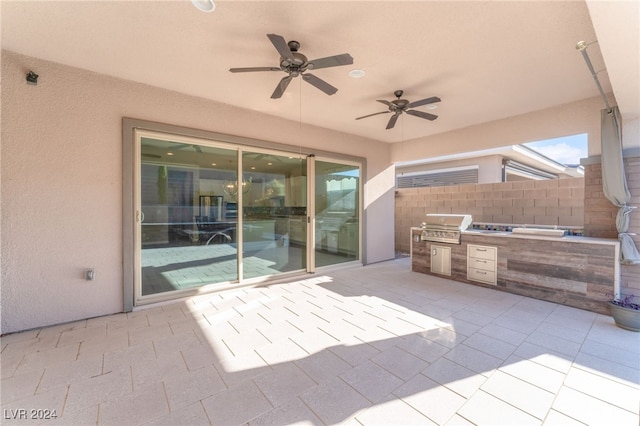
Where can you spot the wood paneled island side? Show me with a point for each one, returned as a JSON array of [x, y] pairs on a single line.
[[574, 271]]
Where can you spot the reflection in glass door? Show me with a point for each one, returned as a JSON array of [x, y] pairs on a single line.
[[187, 232], [274, 214], [210, 214], [337, 213]]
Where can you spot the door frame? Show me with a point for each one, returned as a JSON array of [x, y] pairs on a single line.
[[130, 215]]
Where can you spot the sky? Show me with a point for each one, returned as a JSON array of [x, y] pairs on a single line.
[[565, 150]]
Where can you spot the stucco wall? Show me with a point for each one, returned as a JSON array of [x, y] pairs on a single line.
[[570, 119], [61, 176]]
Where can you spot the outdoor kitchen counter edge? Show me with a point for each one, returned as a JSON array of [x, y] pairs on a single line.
[[504, 234], [566, 238]]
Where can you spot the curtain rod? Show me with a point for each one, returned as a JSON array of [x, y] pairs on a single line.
[[582, 47]]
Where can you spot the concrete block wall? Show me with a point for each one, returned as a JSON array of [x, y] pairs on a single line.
[[544, 202], [568, 202]]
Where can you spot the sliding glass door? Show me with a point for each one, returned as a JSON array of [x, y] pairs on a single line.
[[212, 215], [187, 221], [337, 212], [274, 206]]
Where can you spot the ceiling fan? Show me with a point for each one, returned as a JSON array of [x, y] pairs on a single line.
[[294, 64], [398, 106]]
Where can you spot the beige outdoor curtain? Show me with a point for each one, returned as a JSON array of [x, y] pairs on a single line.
[[614, 182]]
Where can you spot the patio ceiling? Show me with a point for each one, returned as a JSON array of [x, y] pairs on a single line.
[[485, 60]]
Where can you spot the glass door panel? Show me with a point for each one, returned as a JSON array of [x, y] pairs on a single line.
[[187, 230], [274, 213], [337, 213]]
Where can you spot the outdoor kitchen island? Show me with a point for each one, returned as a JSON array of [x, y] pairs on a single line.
[[576, 271]]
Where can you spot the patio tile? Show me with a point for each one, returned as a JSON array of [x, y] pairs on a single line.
[[283, 382], [38, 361], [435, 402], [53, 400], [400, 363], [134, 409], [534, 373], [459, 379], [628, 356], [158, 369], [74, 371], [623, 396], [424, 349], [193, 414], [325, 348], [235, 370], [334, 401], [281, 351], [556, 344], [527, 397], [544, 356], [504, 334], [609, 369], [291, 412], [236, 405], [590, 410], [185, 389], [18, 387], [490, 345], [393, 412], [473, 359], [485, 409], [323, 365], [355, 354], [372, 381]]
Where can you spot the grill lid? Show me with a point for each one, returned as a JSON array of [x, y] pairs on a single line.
[[458, 222]]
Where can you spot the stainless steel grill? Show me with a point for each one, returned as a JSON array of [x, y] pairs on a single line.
[[445, 228]]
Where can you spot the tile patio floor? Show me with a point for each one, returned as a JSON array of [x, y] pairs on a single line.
[[373, 345]]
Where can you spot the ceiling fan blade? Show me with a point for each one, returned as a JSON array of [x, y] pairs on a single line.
[[375, 113], [319, 84], [330, 61], [253, 69], [421, 114], [281, 45], [423, 102], [387, 103], [282, 86], [392, 120]]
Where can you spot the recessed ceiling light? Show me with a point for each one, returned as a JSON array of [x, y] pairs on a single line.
[[269, 164], [213, 164], [169, 153], [204, 5], [253, 168], [356, 73]]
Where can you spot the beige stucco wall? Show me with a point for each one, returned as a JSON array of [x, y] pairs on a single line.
[[570, 119], [61, 182]]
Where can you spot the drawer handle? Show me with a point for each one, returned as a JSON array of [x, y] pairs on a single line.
[[481, 272], [481, 249]]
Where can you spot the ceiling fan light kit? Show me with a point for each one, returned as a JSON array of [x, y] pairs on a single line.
[[296, 64], [399, 106]]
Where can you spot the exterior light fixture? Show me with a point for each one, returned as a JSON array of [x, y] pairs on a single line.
[[32, 78], [204, 5]]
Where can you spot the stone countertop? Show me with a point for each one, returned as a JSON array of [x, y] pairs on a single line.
[[566, 238], [505, 234]]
